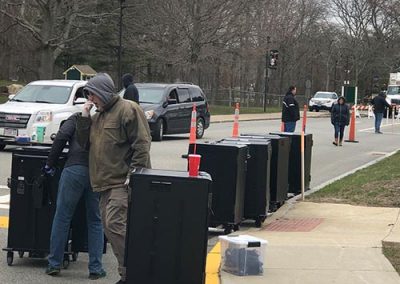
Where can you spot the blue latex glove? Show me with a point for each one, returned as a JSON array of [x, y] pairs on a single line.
[[49, 170]]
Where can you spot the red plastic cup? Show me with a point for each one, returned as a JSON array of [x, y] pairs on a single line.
[[194, 165]]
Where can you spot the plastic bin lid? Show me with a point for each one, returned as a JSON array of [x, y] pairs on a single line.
[[247, 240]]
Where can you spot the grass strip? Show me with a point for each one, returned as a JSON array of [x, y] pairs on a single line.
[[219, 110], [377, 185]]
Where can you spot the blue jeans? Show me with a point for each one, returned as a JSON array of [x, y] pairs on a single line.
[[290, 126], [74, 183], [339, 131], [378, 121]]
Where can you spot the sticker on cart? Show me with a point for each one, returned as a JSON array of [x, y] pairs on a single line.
[[21, 178]]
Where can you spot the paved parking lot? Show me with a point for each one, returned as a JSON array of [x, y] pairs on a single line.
[[327, 162]]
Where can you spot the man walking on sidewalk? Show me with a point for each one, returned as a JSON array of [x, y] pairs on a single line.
[[290, 110], [378, 104], [118, 138]]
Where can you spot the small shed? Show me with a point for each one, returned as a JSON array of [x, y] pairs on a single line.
[[79, 72]]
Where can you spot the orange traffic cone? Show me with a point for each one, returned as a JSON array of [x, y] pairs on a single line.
[[282, 127], [352, 130], [235, 132], [192, 138]]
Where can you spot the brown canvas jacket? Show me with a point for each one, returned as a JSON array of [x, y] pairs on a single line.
[[119, 141]]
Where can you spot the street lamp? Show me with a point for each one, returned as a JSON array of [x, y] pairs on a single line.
[[121, 7]]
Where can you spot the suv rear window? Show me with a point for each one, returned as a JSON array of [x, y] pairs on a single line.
[[196, 94], [183, 95]]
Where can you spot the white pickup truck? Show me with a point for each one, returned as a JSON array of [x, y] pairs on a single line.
[[40, 103], [393, 89]]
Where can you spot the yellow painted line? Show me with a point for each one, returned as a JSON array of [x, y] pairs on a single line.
[[4, 222], [213, 264]]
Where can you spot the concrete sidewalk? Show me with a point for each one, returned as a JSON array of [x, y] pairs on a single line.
[[262, 116], [325, 243]]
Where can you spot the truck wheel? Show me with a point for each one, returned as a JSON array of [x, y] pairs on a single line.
[[159, 131]]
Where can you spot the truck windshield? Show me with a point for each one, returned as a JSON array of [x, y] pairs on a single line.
[[393, 90], [321, 95], [43, 94]]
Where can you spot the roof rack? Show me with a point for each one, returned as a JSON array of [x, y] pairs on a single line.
[[189, 83]]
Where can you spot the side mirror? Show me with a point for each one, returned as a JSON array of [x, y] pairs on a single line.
[[80, 101], [172, 101], [10, 97], [165, 104]]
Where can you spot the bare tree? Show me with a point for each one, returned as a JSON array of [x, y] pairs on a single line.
[[53, 24]]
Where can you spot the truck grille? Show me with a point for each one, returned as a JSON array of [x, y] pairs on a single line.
[[395, 101], [14, 120]]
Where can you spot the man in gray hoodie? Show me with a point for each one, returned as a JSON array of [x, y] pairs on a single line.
[[118, 138]]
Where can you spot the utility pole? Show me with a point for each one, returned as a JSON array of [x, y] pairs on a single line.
[[121, 7], [266, 75], [266, 80]]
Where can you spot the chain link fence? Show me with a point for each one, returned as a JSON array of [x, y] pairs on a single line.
[[249, 99]]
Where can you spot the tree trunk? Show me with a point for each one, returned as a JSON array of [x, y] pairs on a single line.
[[46, 63]]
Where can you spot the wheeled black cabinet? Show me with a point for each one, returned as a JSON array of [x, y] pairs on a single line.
[[227, 165], [257, 190], [167, 227], [33, 199], [295, 160], [279, 179]]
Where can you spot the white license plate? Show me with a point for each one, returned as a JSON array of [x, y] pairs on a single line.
[[10, 132]]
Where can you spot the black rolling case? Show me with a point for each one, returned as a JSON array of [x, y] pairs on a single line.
[[257, 190], [295, 160], [33, 199], [167, 227], [279, 176], [227, 165]]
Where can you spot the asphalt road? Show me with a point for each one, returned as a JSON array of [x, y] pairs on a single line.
[[328, 162]]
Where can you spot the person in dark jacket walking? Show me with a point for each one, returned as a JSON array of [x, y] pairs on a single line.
[[74, 183], [379, 103], [290, 110], [131, 92], [340, 117]]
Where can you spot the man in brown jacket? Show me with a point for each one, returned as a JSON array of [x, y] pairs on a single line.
[[118, 138]]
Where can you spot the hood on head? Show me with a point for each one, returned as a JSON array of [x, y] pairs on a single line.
[[341, 98], [127, 79], [101, 86]]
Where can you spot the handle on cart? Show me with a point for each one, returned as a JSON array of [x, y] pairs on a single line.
[[38, 191]]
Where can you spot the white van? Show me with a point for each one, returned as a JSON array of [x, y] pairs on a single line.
[[40, 103]]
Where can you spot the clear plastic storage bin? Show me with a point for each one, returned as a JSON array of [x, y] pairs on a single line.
[[242, 254]]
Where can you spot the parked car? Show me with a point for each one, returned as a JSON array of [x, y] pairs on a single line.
[[40, 103], [322, 100], [168, 108]]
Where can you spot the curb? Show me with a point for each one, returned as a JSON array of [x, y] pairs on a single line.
[[261, 118], [213, 264], [3, 222]]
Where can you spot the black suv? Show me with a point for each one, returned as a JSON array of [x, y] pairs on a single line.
[[168, 108]]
